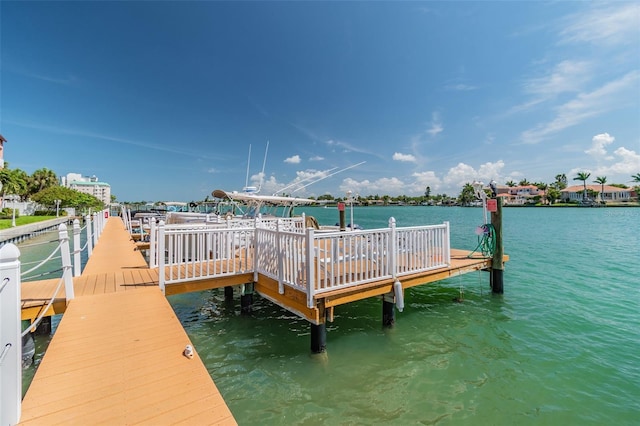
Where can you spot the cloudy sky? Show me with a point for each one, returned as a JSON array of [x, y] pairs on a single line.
[[162, 100]]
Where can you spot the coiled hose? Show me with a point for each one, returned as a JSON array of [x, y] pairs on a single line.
[[486, 240]]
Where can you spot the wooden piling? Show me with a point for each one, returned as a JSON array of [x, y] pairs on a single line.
[[228, 293], [318, 338], [341, 211], [388, 310], [497, 264], [246, 299]]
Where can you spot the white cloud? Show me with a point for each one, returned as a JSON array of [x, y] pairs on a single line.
[[436, 125], [599, 142], [316, 158], [346, 147], [612, 24], [404, 157], [293, 160], [610, 96], [460, 87], [451, 183], [567, 76], [463, 173], [383, 186], [424, 179], [627, 163]]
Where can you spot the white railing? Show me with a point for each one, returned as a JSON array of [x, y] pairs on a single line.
[[281, 254], [188, 252], [10, 308], [312, 262]]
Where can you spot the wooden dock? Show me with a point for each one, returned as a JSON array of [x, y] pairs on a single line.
[[117, 354]]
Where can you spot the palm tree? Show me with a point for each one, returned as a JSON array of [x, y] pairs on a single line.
[[510, 184], [42, 179], [583, 176], [636, 178], [601, 180], [543, 187], [561, 181], [524, 182], [12, 183]]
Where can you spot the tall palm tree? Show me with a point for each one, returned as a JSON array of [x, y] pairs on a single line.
[[583, 176], [601, 180], [636, 178]]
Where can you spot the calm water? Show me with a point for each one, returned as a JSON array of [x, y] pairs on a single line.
[[561, 346]]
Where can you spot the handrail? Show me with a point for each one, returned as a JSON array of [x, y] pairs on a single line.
[[43, 310], [311, 262], [196, 251], [58, 247], [10, 305]]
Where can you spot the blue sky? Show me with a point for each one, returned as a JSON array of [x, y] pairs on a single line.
[[163, 99]]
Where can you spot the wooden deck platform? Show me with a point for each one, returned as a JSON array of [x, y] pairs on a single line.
[[117, 355], [117, 358]]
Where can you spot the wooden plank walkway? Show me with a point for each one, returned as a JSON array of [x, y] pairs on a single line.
[[116, 357]]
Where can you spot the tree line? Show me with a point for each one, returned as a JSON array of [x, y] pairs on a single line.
[[43, 187], [552, 191]]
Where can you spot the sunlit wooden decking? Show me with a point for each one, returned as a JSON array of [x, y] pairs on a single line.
[[117, 354]]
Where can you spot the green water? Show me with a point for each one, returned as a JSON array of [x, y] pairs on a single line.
[[561, 346]]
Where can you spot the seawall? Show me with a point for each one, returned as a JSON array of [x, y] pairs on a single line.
[[24, 232]]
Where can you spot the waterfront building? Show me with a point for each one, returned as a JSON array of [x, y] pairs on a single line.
[[88, 185], [519, 195], [2, 141], [605, 193]]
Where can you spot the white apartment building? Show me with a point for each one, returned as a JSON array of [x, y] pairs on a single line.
[[88, 185]]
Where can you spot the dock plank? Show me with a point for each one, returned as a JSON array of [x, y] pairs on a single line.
[[117, 354], [107, 353]]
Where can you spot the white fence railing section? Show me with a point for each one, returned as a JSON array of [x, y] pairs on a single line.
[[11, 332], [312, 261]]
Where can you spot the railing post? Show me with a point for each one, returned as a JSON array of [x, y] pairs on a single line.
[[77, 249], [161, 259], [10, 339], [310, 257], [95, 229], [125, 218], [65, 254], [447, 243], [153, 259], [392, 248], [87, 221], [280, 258]]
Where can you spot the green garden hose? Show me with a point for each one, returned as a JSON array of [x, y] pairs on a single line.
[[486, 240]]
